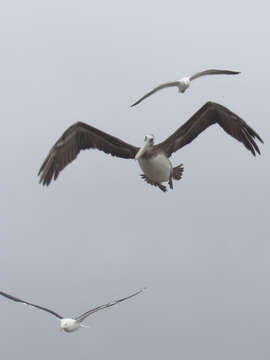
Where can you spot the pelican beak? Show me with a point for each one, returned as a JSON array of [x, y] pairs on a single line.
[[142, 149]]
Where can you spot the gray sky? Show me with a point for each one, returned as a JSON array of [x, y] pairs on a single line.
[[99, 232]]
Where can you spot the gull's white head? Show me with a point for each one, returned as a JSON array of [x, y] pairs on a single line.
[[183, 84], [69, 325], [148, 143]]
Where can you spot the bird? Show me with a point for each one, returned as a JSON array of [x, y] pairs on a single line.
[[153, 159], [184, 83], [70, 324]]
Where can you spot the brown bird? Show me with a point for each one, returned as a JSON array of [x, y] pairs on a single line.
[[153, 159]]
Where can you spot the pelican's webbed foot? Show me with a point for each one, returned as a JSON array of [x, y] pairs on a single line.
[[151, 182], [162, 187], [170, 183]]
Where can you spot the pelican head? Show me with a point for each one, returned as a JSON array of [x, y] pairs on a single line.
[[183, 84], [148, 143]]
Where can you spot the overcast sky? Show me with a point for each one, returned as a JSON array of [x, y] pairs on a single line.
[[100, 233]]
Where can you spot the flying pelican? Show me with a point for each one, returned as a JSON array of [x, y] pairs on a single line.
[[184, 83], [153, 159], [68, 324]]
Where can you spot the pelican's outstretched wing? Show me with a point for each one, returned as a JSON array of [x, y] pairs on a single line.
[[30, 304], [77, 137], [209, 114], [213, 72], [162, 86], [101, 307]]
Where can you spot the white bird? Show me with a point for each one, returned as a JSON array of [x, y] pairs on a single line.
[[184, 83], [69, 324]]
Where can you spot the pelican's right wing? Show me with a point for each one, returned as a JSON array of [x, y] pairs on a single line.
[[77, 137]]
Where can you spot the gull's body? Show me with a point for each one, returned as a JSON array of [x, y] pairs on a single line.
[[153, 159], [69, 324], [184, 83]]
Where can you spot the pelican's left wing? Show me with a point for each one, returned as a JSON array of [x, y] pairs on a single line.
[[101, 307], [77, 137], [209, 114]]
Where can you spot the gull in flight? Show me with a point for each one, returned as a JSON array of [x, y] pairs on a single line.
[[184, 83], [68, 324]]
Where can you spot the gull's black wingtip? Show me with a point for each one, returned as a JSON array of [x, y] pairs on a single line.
[[232, 72]]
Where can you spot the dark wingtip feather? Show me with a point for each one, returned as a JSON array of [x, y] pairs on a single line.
[[258, 137]]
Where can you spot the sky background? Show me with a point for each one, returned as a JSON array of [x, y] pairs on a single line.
[[100, 233]]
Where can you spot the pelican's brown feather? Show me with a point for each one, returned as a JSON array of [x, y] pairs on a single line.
[[209, 114], [77, 137]]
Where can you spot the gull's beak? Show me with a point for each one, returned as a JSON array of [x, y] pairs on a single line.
[[60, 329], [142, 149]]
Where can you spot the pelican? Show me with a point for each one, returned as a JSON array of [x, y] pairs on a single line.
[[184, 83], [153, 159], [69, 324]]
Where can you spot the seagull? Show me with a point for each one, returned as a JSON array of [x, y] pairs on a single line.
[[69, 324], [153, 159], [184, 83]]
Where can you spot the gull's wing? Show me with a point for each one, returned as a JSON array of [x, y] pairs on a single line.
[[213, 72], [30, 304], [77, 137], [162, 86], [209, 114], [101, 307]]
